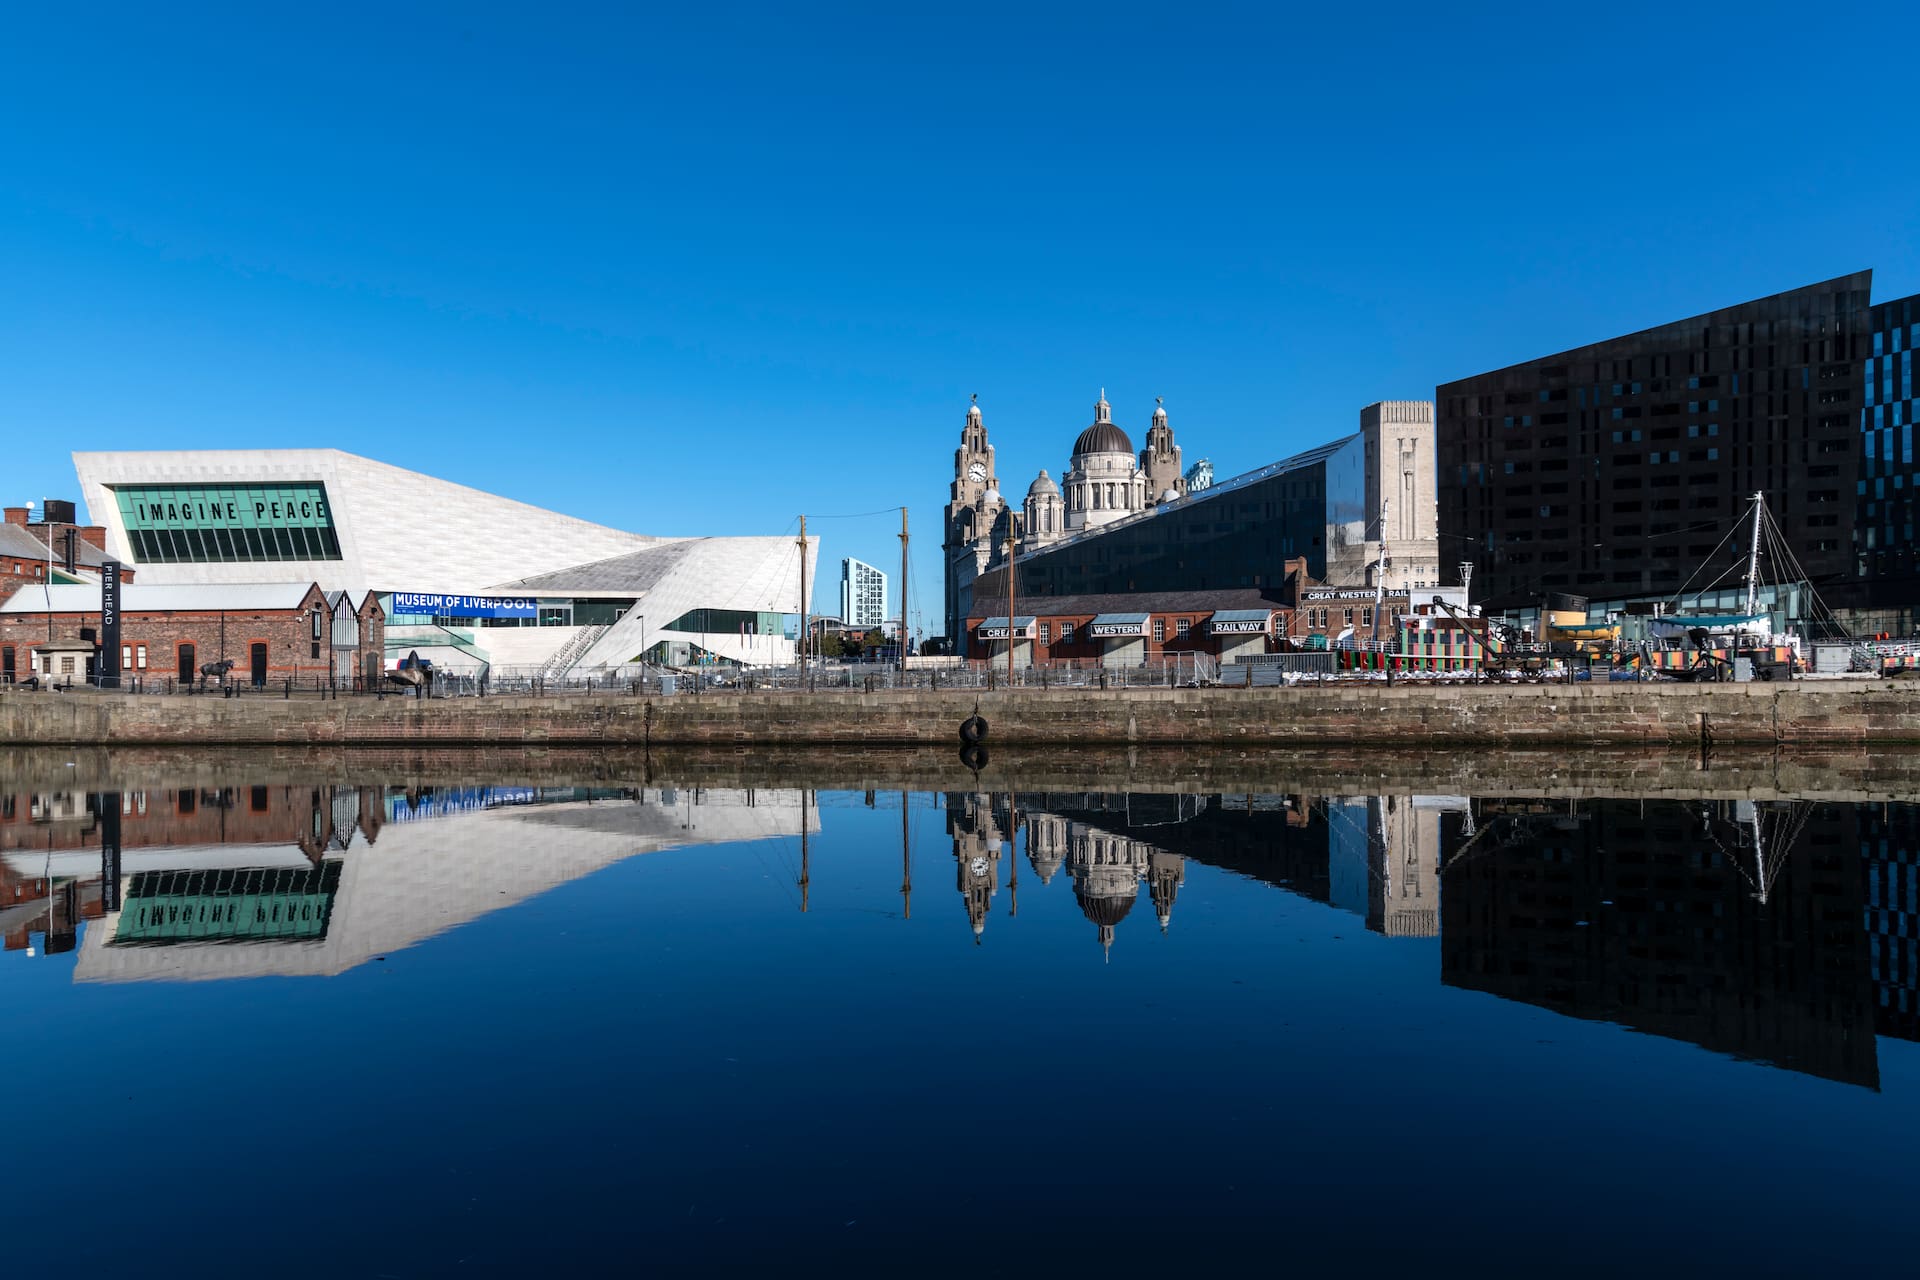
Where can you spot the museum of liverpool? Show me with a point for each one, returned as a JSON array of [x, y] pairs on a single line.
[[467, 579]]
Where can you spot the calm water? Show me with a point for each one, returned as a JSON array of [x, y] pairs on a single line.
[[376, 1031]]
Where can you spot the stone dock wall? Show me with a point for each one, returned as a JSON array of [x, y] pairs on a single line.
[[1850, 775], [1669, 716]]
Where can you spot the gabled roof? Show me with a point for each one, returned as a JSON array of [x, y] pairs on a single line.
[[30, 543], [152, 598]]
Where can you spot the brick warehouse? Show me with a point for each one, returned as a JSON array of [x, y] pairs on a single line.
[[269, 631], [27, 550]]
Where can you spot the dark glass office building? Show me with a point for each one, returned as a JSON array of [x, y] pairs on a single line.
[[1883, 534], [1239, 533], [1614, 469]]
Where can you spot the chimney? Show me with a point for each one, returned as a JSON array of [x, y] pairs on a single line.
[[16, 515], [94, 535]]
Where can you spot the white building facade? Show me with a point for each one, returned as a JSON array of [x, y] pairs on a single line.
[[467, 577], [863, 594]]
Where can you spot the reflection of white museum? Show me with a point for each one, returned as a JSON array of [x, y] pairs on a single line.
[[414, 879]]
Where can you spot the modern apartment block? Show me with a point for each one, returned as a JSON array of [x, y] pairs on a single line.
[[1613, 470], [863, 594], [1884, 491]]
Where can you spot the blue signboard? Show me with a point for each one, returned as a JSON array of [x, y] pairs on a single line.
[[465, 606]]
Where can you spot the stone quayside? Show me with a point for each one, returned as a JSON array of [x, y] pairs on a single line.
[[1803, 714]]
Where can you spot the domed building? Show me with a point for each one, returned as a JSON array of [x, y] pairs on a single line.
[[1105, 481], [1046, 513]]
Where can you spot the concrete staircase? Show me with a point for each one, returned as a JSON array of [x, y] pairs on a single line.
[[571, 652]]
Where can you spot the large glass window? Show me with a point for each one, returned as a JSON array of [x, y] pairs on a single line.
[[219, 523]]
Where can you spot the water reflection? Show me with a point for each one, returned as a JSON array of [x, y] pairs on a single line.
[[285, 881], [1782, 932]]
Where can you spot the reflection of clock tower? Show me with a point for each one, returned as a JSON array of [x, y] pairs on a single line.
[[977, 847], [969, 519]]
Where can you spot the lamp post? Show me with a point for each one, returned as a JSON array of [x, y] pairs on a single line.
[[1011, 629]]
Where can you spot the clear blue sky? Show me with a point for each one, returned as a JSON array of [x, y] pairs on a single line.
[[696, 269]]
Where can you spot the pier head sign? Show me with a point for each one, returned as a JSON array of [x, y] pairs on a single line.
[[440, 606]]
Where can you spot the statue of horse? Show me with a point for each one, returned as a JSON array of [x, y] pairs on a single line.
[[217, 670], [415, 673]]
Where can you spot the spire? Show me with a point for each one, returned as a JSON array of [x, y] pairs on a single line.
[[1102, 411]]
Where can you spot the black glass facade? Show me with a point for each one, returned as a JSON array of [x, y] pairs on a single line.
[[1613, 470], [1883, 535], [1890, 853], [1239, 533], [1651, 914]]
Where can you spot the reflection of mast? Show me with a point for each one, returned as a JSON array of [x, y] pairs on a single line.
[[906, 846], [803, 850], [1013, 858], [1769, 852]]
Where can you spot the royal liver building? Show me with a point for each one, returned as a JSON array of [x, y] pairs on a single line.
[[1105, 481]]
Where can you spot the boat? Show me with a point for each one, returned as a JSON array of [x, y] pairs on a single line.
[[1702, 646]]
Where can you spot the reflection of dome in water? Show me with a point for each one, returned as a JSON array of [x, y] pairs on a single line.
[[1103, 909], [1102, 437]]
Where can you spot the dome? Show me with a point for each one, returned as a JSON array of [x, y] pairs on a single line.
[[1043, 486], [1102, 437], [1104, 910], [1171, 495]]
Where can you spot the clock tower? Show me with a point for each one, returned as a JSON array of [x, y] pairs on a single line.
[[973, 505]]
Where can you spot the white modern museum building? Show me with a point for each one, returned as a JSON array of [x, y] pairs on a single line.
[[467, 578]]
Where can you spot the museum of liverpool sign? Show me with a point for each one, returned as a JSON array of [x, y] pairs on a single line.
[[439, 606]]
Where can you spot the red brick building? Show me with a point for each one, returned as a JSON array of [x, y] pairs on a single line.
[[43, 832], [269, 631], [1131, 628], [25, 550]]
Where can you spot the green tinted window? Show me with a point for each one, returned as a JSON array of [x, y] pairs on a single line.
[[198, 523]]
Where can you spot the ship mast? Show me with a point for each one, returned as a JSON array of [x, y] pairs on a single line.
[[1753, 553]]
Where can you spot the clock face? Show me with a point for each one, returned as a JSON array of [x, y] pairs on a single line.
[[977, 472], [978, 866]]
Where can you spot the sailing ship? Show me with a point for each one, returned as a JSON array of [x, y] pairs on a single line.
[[1704, 646]]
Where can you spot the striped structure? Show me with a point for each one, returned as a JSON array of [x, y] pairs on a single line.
[[1440, 648], [1684, 659]]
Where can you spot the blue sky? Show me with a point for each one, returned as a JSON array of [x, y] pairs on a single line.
[[700, 271]]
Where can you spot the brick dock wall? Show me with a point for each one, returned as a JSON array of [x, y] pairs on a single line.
[[1667, 716]]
